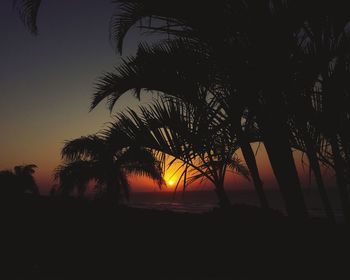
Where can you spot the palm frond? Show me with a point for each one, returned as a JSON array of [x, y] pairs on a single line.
[[140, 161], [237, 166], [186, 132], [75, 175], [159, 68], [28, 12], [129, 13], [86, 147]]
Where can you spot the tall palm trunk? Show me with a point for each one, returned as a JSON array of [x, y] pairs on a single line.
[[250, 160], [276, 140], [316, 169], [340, 178], [315, 166]]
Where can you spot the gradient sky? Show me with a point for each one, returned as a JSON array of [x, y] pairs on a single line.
[[46, 83]]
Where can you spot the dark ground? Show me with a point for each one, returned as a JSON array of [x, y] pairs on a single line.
[[54, 239]]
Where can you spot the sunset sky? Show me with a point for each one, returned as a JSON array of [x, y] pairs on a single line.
[[46, 83]]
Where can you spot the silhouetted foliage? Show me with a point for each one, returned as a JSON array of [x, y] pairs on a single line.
[[281, 66], [28, 12], [232, 72], [179, 70], [269, 55], [108, 163], [192, 135], [18, 182]]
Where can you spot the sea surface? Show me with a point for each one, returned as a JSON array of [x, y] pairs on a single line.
[[204, 201]]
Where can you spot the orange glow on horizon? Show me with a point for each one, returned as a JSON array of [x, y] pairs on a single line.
[[46, 165]]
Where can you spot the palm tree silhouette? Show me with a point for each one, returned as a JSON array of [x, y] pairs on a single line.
[[191, 135], [176, 69], [19, 181], [266, 41], [108, 163], [263, 55], [325, 44], [240, 54]]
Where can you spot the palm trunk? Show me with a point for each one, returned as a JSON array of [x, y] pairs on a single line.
[[250, 160], [340, 178], [315, 166], [113, 190], [275, 136], [222, 196]]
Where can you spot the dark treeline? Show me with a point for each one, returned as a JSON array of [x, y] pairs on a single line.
[[18, 182], [231, 73]]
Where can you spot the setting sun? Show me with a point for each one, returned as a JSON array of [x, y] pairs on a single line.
[[171, 182]]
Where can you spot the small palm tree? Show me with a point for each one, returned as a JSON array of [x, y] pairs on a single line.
[[189, 134], [19, 181], [108, 163]]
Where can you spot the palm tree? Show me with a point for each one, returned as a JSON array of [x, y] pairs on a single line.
[[177, 69], [108, 163], [19, 181], [191, 135], [245, 46]]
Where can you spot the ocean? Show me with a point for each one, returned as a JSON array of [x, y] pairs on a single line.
[[204, 201]]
